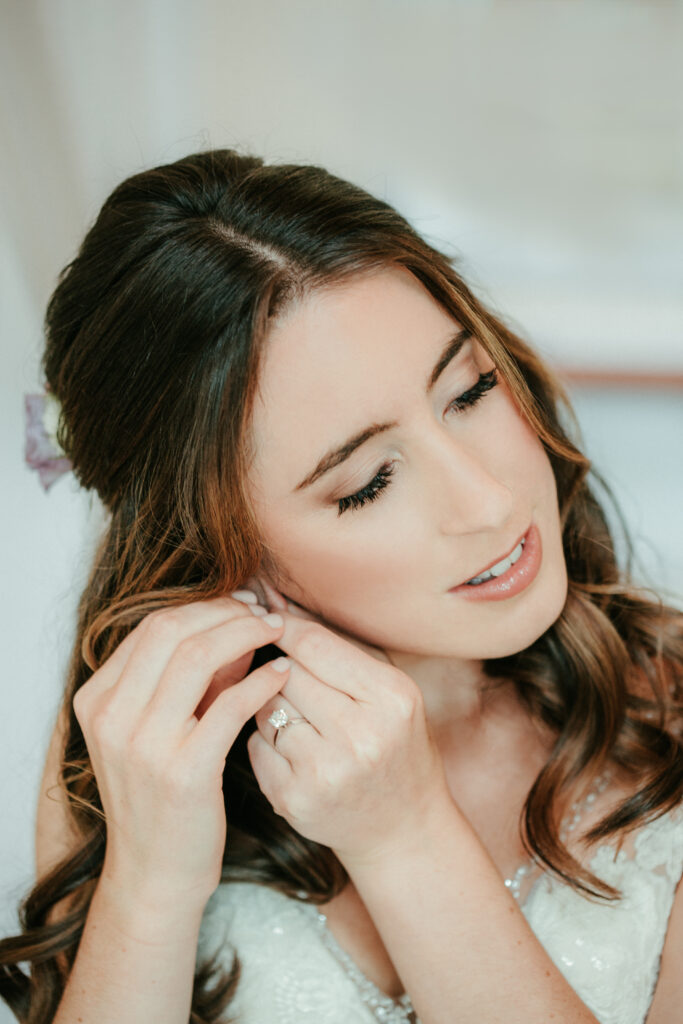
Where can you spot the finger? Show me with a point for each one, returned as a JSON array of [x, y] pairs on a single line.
[[276, 601], [150, 643], [279, 738], [324, 706], [110, 670], [157, 638], [193, 664], [272, 771], [303, 613], [334, 660], [213, 736], [274, 598]]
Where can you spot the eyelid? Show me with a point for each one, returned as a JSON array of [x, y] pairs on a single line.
[[366, 476], [460, 391], [467, 399]]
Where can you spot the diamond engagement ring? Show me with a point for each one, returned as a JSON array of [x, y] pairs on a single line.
[[280, 720]]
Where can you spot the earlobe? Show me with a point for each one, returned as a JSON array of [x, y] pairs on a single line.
[[267, 594]]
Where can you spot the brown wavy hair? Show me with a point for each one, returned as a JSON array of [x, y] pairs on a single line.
[[154, 336]]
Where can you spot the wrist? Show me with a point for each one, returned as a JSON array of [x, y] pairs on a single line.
[[422, 833], [149, 912]]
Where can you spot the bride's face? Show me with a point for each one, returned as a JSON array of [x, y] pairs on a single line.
[[465, 482]]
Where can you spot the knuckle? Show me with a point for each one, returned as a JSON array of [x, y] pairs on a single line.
[[277, 801], [141, 752], [367, 749], [104, 730], [236, 702], [180, 781], [162, 624], [406, 697], [407, 705], [312, 639], [331, 776], [80, 704], [293, 804], [194, 650]]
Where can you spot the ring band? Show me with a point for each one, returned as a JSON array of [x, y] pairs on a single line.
[[280, 720]]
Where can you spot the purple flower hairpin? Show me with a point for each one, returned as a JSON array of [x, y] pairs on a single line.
[[43, 452]]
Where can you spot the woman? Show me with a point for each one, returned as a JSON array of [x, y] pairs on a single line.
[[289, 402]]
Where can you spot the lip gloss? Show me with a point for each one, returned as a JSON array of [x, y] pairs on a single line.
[[512, 582]]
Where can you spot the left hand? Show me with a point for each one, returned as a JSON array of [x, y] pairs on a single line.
[[362, 772]]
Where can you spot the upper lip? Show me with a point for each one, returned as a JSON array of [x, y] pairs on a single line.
[[498, 559]]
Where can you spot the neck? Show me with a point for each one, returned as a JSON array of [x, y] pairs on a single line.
[[458, 696]]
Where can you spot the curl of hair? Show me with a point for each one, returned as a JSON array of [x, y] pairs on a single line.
[[154, 336]]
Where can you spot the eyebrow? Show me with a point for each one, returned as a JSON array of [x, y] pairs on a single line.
[[336, 456]]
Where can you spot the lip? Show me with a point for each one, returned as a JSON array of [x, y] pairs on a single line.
[[517, 577], [500, 557]]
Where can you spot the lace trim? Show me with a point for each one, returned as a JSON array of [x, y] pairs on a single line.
[[569, 823], [382, 1006], [401, 1010]]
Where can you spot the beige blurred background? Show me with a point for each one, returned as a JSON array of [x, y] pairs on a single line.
[[539, 141]]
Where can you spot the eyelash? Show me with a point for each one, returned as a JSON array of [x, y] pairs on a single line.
[[372, 490]]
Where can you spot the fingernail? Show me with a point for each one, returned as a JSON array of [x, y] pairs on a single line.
[[281, 664], [274, 596], [274, 619], [245, 595], [257, 609]]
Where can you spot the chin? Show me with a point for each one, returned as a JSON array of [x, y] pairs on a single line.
[[524, 629], [533, 627]]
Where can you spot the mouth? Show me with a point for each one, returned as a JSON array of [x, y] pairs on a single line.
[[510, 575], [498, 566]]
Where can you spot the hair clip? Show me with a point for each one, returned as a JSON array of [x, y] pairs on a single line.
[[42, 450]]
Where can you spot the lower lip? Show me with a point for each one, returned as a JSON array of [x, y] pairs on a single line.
[[517, 577]]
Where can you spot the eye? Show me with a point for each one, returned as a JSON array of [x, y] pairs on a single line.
[[484, 383], [372, 490]]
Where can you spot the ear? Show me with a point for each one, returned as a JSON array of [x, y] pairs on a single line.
[[273, 600], [277, 601], [268, 596]]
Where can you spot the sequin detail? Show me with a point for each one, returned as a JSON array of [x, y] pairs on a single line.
[[610, 953], [382, 1007], [569, 823]]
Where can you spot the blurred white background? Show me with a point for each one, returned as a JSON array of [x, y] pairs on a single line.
[[541, 143]]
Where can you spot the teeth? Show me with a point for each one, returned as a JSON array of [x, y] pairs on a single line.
[[500, 567]]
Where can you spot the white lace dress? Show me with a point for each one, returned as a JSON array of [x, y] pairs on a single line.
[[295, 972]]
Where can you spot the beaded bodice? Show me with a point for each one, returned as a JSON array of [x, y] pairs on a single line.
[[295, 972]]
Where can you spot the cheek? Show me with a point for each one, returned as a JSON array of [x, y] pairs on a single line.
[[343, 574], [516, 450], [367, 569], [318, 569]]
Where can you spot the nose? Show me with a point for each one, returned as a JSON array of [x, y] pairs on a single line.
[[468, 494]]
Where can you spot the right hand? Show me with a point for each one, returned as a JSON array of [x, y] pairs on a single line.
[[157, 759]]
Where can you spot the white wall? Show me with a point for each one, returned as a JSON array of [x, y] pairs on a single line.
[[540, 141]]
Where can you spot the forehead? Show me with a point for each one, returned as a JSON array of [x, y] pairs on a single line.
[[339, 359]]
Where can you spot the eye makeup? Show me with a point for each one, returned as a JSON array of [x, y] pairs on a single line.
[[372, 490]]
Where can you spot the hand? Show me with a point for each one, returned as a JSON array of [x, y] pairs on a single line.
[[274, 601], [159, 759], [362, 772]]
